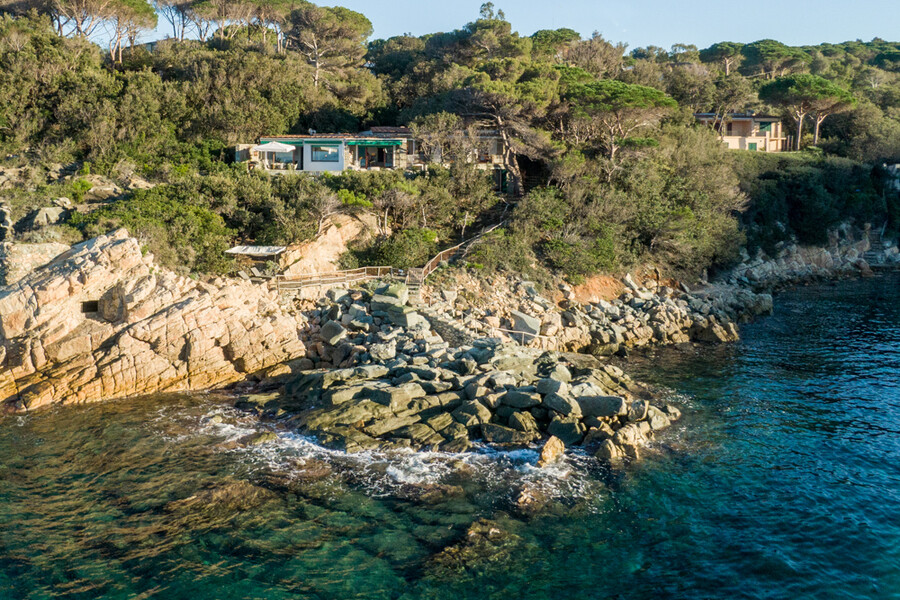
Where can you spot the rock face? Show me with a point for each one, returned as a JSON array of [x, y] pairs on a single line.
[[103, 321], [17, 260], [322, 254]]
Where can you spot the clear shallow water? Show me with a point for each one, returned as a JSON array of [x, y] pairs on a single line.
[[781, 481]]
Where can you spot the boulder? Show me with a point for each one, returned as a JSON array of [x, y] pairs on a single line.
[[552, 386], [383, 352], [523, 421], [602, 406], [525, 324], [553, 449], [332, 332], [397, 396], [498, 434], [657, 419], [519, 399], [43, 217], [568, 429], [637, 410], [561, 404], [472, 413]]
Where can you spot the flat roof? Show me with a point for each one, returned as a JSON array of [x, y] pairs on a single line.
[[334, 138], [256, 250], [738, 116]]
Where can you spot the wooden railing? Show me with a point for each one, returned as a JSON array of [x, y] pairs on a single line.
[[450, 253], [351, 276], [347, 276], [545, 342]]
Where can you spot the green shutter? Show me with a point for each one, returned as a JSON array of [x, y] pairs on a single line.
[[765, 127]]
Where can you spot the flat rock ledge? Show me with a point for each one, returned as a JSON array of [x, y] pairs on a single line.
[[102, 320]]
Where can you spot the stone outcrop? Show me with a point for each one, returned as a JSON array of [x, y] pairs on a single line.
[[843, 257], [101, 320], [434, 398], [322, 254], [645, 313], [18, 260]]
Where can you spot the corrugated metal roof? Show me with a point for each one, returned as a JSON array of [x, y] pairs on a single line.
[[256, 250]]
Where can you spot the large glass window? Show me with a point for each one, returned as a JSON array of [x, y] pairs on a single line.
[[325, 153], [763, 127]]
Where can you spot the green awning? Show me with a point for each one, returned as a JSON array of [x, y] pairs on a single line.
[[375, 142]]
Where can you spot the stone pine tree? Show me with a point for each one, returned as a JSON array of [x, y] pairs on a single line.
[[331, 38], [619, 108], [771, 59], [728, 54], [803, 95]]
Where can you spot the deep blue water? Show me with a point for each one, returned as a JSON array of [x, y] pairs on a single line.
[[781, 481]]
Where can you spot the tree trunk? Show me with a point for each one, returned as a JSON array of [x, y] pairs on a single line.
[[509, 161], [800, 118], [819, 118]]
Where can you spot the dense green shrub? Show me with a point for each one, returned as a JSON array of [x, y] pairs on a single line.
[[405, 249], [804, 195], [181, 234]]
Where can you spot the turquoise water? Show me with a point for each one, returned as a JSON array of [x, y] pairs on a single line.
[[781, 481]]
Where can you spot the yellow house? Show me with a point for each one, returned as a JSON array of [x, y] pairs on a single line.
[[747, 131]]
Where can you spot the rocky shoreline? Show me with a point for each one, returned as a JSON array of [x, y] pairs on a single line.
[[384, 379], [372, 368], [396, 384]]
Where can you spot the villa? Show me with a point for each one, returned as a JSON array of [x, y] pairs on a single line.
[[377, 148], [748, 131]]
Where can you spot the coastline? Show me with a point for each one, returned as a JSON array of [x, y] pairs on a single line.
[[374, 368]]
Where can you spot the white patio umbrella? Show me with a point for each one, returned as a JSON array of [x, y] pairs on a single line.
[[273, 147]]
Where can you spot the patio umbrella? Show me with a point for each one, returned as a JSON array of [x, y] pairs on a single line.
[[273, 147]]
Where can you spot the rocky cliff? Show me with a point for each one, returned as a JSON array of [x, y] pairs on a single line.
[[103, 321]]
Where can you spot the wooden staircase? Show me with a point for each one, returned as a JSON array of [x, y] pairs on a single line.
[[415, 279], [875, 254]]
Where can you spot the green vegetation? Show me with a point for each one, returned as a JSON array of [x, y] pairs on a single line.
[[605, 166]]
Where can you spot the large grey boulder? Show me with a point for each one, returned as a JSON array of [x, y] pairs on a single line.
[[397, 397], [383, 352], [569, 429], [519, 399], [657, 419], [472, 413], [525, 324], [332, 332], [498, 434], [552, 386], [562, 404], [523, 421], [603, 406], [42, 217]]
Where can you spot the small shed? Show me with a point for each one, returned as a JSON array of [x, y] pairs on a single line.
[[256, 257]]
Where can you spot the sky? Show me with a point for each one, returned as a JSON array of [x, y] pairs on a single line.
[[647, 22]]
